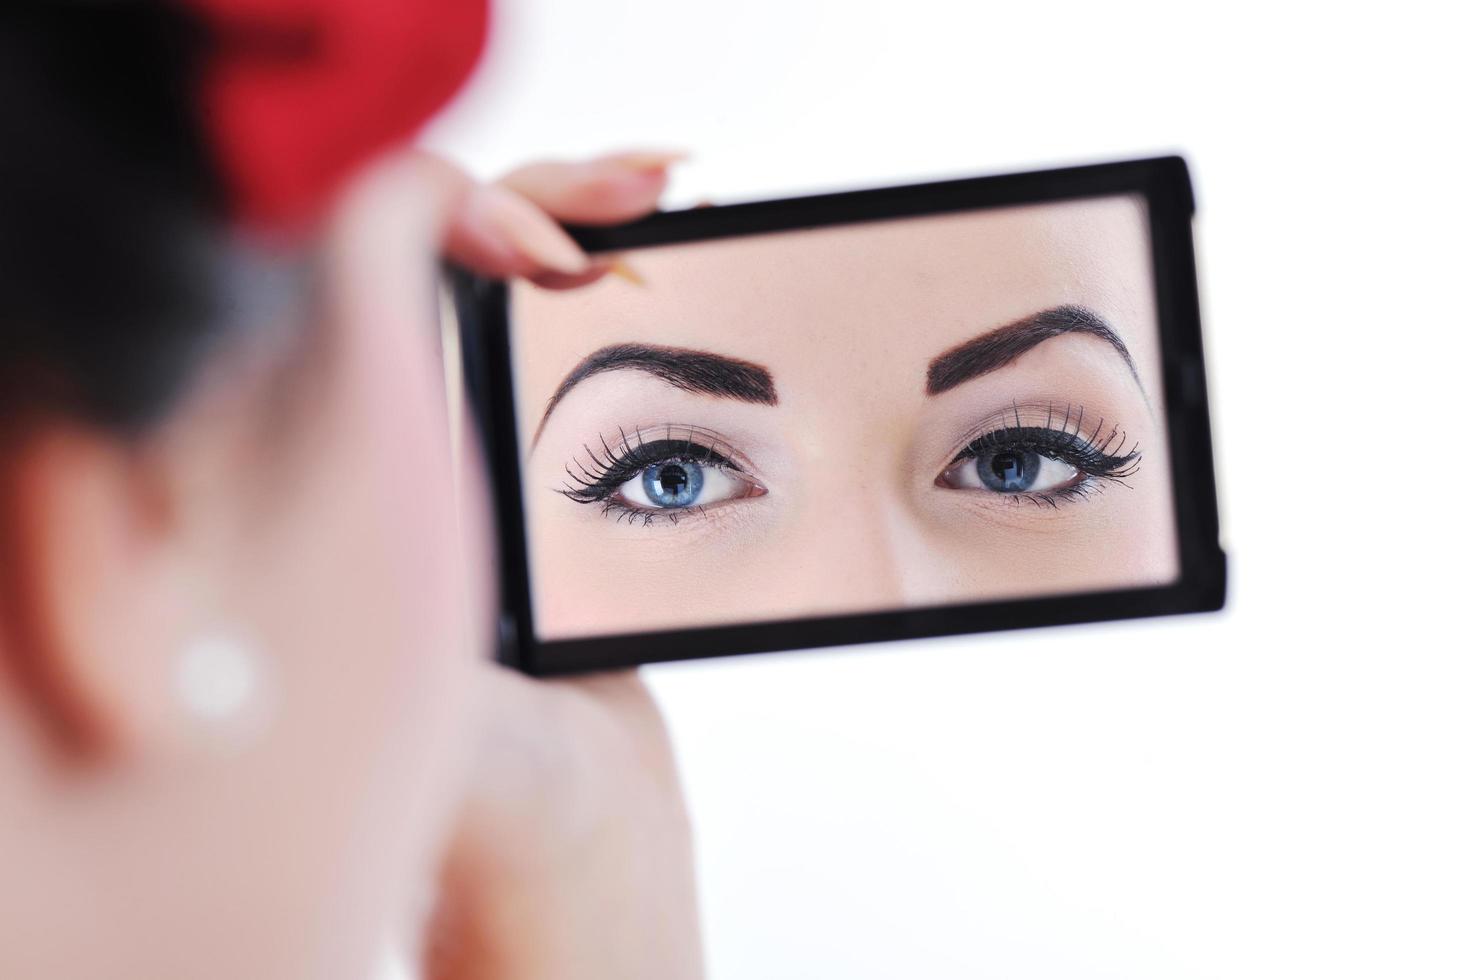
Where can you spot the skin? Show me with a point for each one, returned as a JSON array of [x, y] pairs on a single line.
[[847, 321], [385, 782]]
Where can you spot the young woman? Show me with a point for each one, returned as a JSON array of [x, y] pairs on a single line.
[[247, 723]]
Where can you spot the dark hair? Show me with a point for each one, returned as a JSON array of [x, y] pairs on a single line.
[[113, 238]]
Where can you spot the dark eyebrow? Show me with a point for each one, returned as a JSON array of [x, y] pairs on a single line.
[[684, 368], [999, 347]]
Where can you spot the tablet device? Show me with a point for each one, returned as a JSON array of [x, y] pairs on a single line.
[[912, 411]]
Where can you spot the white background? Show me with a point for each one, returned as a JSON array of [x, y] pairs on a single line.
[[1276, 791]]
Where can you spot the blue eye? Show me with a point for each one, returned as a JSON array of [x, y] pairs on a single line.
[[673, 484], [1041, 463], [681, 484], [1011, 471], [640, 478]]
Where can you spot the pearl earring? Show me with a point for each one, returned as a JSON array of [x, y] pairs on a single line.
[[218, 678]]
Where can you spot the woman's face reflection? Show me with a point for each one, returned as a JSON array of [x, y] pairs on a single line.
[[906, 413]]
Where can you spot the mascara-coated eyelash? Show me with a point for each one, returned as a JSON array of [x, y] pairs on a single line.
[[1044, 462], [663, 473]]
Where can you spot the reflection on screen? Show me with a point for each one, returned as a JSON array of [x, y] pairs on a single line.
[[868, 417]]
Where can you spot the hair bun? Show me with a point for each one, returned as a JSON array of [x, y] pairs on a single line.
[[296, 94]]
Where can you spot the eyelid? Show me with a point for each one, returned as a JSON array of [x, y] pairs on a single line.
[[1062, 417], [1050, 415]]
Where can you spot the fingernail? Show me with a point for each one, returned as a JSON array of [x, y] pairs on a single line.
[[562, 256], [651, 159], [504, 215], [552, 248], [626, 272]]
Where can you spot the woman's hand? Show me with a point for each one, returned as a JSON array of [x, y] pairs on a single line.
[[572, 855], [572, 858], [509, 228]]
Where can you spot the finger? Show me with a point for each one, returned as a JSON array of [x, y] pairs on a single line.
[[559, 280], [621, 685], [622, 692], [607, 190], [501, 234]]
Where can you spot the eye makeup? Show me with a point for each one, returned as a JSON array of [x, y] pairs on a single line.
[[660, 474], [1042, 456]]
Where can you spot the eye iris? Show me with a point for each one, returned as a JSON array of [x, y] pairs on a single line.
[[673, 484], [1009, 470]]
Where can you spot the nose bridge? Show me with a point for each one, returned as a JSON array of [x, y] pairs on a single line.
[[849, 536], [852, 541], [842, 556]]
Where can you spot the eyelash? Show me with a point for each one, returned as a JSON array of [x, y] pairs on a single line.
[[1098, 459], [608, 470]]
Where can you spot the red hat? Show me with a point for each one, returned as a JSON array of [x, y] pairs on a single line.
[[295, 94]]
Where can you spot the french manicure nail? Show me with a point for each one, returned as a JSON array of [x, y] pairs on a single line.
[[500, 214], [651, 159], [549, 245], [626, 272], [559, 254]]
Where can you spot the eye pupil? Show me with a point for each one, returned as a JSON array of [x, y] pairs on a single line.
[[1007, 466], [1009, 471], [673, 484]]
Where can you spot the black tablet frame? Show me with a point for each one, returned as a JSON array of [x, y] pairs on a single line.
[[483, 311]]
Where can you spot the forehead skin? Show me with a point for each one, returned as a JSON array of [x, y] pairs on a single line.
[[877, 300]]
